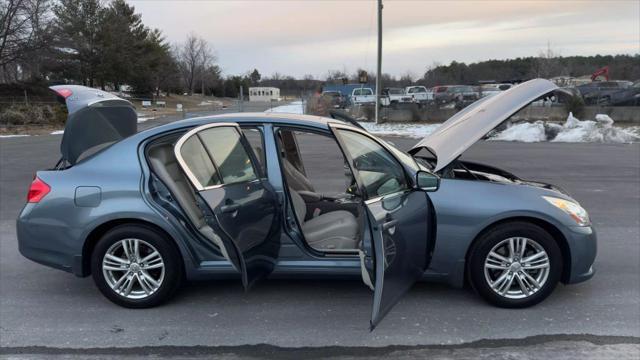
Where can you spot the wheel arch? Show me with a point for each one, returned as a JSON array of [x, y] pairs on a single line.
[[552, 229], [92, 239]]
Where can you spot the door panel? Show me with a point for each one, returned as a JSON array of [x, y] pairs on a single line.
[[396, 251], [217, 160], [248, 215], [400, 248]]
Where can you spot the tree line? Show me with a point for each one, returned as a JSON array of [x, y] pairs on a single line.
[[621, 67]]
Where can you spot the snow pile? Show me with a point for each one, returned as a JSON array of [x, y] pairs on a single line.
[[400, 129], [57, 132], [524, 132], [296, 107], [573, 130]]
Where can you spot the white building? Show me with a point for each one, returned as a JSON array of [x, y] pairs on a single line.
[[264, 93]]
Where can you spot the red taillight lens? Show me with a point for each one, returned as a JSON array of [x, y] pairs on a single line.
[[37, 190], [65, 93]]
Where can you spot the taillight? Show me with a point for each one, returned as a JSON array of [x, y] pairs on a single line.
[[37, 190], [65, 93]]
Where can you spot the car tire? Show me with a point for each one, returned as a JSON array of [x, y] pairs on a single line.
[[156, 275], [489, 274]]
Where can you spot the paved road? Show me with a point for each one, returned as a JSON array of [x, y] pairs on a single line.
[[46, 307]]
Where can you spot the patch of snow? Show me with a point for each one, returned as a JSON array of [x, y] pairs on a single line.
[[524, 132], [296, 107], [57, 132], [142, 119], [417, 131], [12, 136], [210, 102]]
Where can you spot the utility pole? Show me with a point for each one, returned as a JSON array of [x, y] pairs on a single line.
[[379, 70]]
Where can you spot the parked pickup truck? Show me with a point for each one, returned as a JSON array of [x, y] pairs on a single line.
[[460, 95], [393, 96], [419, 94], [361, 96]]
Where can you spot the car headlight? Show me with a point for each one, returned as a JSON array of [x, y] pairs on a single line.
[[573, 209]]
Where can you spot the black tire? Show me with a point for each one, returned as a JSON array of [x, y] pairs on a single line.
[[494, 236], [173, 269]]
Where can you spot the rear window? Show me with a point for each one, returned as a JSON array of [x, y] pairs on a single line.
[[362, 92]]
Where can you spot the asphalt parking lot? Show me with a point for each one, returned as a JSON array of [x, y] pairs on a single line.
[[40, 306]]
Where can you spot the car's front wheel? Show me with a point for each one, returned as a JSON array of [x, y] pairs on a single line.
[[136, 266], [515, 265]]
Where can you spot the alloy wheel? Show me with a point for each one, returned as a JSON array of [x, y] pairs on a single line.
[[517, 267], [133, 268]]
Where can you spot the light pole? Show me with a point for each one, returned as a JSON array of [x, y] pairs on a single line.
[[379, 69]]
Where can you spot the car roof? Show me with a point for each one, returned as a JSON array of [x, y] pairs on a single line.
[[247, 118]]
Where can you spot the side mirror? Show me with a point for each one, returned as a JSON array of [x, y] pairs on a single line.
[[427, 181]]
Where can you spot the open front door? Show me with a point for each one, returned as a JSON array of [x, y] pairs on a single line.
[[396, 244], [242, 207]]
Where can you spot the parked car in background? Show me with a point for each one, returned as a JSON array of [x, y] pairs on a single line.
[[615, 93], [609, 93], [249, 195], [626, 97], [460, 95], [335, 99], [362, 96], [419, 94], [395, 96], [491, 89]]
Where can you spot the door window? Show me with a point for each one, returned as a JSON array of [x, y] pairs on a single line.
[[216, 156], [255, 140], [378, 171], [199, 163], [322, 168]]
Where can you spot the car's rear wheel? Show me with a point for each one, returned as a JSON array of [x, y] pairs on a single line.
[[515, 265], [136, 266]]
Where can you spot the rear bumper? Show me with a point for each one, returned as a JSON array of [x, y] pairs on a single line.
[[45, 244], [583, 246]]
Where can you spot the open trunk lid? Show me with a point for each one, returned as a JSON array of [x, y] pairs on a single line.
[[95, 118], [469, 125]]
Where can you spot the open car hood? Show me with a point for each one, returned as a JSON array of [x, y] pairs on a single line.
[[469, 125], [95, 118]]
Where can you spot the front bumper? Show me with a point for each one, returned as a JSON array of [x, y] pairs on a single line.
[[583, 247]]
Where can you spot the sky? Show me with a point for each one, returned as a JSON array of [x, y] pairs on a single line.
[[311, 37]]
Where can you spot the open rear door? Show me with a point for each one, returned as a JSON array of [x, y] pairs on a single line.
[[242, 206], [396, 245]]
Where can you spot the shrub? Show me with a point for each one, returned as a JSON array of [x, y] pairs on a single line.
[[34, 114], [12, 116], [575, 105]]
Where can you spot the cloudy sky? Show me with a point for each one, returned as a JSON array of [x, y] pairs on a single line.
[[310, 37]]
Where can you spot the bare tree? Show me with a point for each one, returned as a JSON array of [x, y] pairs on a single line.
[[23, 30], [194, 57], [207, 59]]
